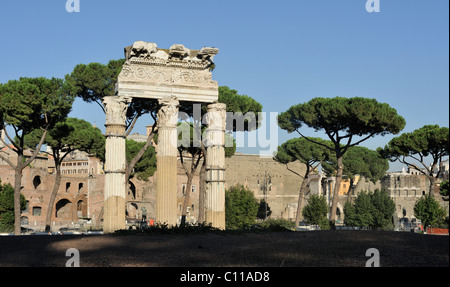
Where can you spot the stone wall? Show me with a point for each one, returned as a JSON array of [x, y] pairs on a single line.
[[266, 177]]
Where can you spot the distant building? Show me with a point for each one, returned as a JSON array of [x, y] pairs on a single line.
[[80, 195]]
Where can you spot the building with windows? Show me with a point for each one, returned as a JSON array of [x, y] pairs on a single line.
[[80, 195]]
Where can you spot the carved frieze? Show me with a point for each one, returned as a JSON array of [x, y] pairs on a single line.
[[167, 76], [154, 73]]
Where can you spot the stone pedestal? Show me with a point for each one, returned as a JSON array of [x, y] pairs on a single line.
[[115, 163], [166, 158], [215, 165]]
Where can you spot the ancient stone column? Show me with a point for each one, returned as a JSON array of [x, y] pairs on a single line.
[[115, 163], [215, 165], [166, 160]]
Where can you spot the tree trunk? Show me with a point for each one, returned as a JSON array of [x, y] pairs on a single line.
[[350, 191], [300, 199], [186, 198], [432, 187], [17, 188], [201, 195], [51, 203], [138, 156], [336, 189]]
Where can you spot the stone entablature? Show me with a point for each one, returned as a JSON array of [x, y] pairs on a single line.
[[155, 73]]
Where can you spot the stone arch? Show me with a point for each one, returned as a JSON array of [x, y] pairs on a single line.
[[133, 210], [80, 187], [340, 212], [63, 209], [81, 208], [24, 220], [131, 190]]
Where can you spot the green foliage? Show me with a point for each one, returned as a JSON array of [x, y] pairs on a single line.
[[163, 228], [271, 224], [189, 140], [303, 150], [241, 207], [316, 210], [343, 120], [69, 135], [93, 81], [370, 210], [353, 116], [240, 104], [363, 161], [429, 140], [444, 188], [364, 210], [146, 166], [263, 205], [242, 110], [30, 103], [384, 208], [428, 210], [7, 207], [350, 216]]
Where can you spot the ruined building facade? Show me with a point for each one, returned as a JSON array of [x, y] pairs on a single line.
[[80, 196]]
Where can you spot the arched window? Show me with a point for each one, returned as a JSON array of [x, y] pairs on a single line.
[[36, 181], [132, 191], [80, 208], [24, 220], [37, 211]]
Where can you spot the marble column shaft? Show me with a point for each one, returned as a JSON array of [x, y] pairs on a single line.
[[215, 165], [166, 157], [115, 163]]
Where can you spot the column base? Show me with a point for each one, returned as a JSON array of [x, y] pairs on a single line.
[[216, 218], [114, 214]]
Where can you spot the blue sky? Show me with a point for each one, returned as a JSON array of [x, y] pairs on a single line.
[[279, 52]]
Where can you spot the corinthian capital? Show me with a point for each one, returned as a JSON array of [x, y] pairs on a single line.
[[116, 109], [168, 112], [216, 116]]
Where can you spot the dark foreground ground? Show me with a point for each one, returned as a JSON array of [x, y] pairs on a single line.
[[285, 249]]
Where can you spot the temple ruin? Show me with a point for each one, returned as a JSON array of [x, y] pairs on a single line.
[[169, 76]]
